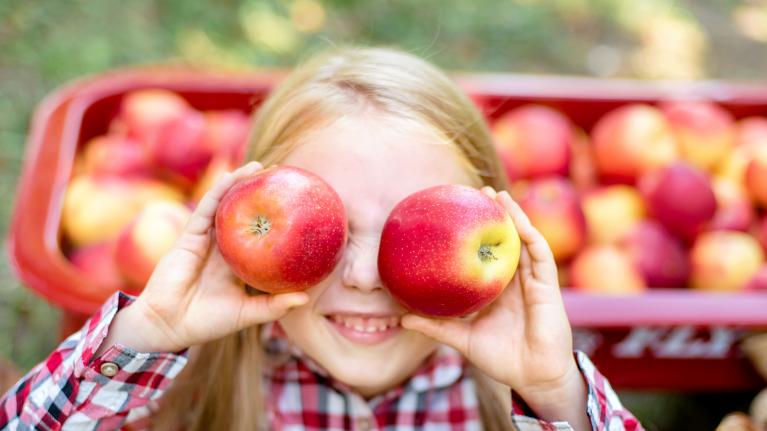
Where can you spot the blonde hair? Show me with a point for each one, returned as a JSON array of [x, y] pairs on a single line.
[[221, 386]]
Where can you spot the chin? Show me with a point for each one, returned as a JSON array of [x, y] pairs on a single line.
[[370, 369]]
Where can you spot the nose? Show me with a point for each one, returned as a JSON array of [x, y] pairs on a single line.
[[361, 263]]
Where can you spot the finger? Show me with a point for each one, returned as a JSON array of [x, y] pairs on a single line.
[[537, 245], [489, 191], [453, 332], [202, 217], [525, 267], [266, 308]]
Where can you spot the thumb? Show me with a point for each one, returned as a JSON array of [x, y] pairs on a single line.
[[266, 308], [453, 332]]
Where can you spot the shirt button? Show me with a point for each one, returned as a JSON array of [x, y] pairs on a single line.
[[109, 369]]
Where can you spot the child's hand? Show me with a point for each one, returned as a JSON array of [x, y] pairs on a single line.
[[192, 296], [523, 339]]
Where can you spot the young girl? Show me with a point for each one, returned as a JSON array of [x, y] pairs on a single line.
[[199, 350]]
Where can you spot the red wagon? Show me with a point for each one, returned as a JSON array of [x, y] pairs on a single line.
[[675, 339]]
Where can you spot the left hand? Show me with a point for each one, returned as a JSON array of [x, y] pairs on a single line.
[[523, 339]]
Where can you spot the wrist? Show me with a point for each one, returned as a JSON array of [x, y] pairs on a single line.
[[136, 328], [147, 332], [550, 399]]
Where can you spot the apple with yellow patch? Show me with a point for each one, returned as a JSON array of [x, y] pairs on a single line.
[[606, 269], [724, 261], [632, 140], [611, 212], [704, 131], [554, 209], [448, 251], [96, 209], [148, 238]]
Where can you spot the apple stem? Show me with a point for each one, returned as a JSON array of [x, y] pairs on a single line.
[[486, 253], [260, 226]]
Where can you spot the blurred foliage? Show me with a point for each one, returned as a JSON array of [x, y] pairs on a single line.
[[46, 43]]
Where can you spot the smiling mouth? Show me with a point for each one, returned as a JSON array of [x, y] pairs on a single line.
[[365, 330], [366, 324]]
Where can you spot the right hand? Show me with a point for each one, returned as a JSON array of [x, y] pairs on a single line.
[[192, 296]]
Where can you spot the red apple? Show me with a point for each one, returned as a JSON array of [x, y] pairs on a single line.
[[148, 238], [751, 132], [554, 209], [659, 256], [680, 197], [733, 165], [282, 229], [217, 167], [143, 112], [734, 209], [115, 155], [98, 264], [96, 209], [611, 211], [756, 176], [724, 260], [447, 251], [605, 269], [632, 140], [758, 282], [533, 141], [761, 232], [180, 149], [751, 136], [704, 131], [227, 133], [583, 171]]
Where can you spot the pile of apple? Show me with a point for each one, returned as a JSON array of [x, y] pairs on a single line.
[[133, 189], [672, 195]]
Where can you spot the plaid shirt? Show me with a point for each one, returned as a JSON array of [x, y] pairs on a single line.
[[73, 390]]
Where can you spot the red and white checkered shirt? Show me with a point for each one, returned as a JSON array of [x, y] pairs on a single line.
[[73, 390]]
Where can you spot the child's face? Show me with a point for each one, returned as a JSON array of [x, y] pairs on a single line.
[[372, 165]]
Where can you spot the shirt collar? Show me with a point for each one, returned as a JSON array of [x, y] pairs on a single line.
[[441, 369]]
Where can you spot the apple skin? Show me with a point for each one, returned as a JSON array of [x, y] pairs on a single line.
[[429, 256], [660, 257], [758, 282], [756, 176], [761, 232], [724, 261], [704, 131], [98, 264], [148, 238], [179, 148], [630, 141], [116, 155], [734, 208], [304, 238], [533, 141], [680, 196], [226, 134], [605, 269], [216, 168], [611, 211], [144, 112], [553, 206], [96, 209]]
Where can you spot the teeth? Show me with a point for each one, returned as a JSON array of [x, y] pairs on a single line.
[[365, 324]]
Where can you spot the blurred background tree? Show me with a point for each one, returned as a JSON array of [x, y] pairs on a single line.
[[46, 43]]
